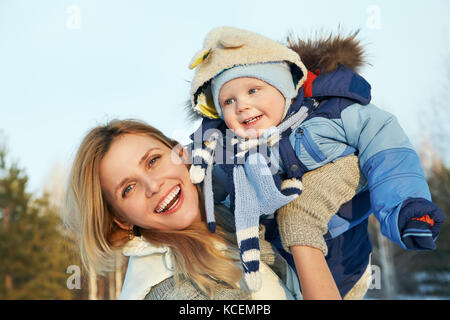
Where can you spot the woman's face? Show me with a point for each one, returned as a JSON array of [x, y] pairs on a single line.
[[148, 185]]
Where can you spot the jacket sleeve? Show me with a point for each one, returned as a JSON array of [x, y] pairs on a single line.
[[398, 188]]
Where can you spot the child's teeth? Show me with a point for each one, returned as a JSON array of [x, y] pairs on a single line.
[[251, 120], [248, 121]]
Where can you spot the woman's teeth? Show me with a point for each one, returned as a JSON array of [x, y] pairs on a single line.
[[170, 201], [252, 119]]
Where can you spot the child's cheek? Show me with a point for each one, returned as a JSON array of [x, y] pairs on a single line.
[[230, 121]]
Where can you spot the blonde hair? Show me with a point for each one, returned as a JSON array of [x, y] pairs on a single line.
[[87, 212]]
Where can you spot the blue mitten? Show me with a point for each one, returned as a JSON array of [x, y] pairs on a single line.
[[419, 223]]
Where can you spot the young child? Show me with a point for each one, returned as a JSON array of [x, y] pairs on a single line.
[[262, 91]]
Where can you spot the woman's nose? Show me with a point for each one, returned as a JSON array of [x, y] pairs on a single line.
[[153, 185]]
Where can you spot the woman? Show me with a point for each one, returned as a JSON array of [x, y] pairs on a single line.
[[130, 190]]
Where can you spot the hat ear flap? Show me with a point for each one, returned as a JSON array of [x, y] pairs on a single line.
[[205, 105], [232, 41], [298, 76]]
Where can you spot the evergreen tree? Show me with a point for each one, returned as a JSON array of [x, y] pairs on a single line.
[[13, 206], [34, 252]]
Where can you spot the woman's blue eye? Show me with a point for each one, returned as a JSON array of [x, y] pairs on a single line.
[[127, 190], [153, 160]]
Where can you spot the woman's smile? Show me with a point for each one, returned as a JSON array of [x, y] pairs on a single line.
[[171, 202]]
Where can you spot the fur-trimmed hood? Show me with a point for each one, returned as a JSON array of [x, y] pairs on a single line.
[[321, 54], [326, 53]]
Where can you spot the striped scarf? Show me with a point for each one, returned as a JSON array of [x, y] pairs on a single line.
[[256, 186]]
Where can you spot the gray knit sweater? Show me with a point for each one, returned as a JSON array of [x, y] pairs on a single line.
[[188, 290]]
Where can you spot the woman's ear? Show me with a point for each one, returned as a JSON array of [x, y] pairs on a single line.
[[122, 225], [183, 154], [180, 155]]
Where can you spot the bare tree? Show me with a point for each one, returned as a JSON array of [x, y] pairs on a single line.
[[434, 121]]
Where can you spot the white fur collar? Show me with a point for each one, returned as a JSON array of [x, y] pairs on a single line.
[[139, 247], [148, 266]]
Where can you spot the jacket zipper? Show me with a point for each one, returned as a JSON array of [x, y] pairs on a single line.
[[302, 136], [298, 142]]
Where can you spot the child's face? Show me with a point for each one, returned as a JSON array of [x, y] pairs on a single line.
[[250, 106]]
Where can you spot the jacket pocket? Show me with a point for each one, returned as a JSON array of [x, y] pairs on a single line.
[[302, 136]]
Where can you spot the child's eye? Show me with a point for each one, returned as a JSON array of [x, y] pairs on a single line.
[[252, 91], [127, 190], [228, 101]]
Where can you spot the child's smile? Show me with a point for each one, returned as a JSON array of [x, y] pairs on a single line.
[[252, 121]]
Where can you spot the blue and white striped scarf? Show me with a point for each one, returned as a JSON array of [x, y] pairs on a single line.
[[257, 189]]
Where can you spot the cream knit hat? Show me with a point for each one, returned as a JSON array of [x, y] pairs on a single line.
[[226, 47]]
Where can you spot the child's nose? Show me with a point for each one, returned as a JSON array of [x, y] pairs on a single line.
[[242, 106]]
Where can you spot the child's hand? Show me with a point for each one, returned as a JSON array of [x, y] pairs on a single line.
[[315, 277], [419, 223]]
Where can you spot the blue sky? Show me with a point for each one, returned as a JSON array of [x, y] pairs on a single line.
[[66, 66]]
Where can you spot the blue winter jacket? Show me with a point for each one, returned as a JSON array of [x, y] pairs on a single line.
[[396, 192], [346, 123], [386, 156]]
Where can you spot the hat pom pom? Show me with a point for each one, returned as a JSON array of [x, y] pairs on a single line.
[[197, 174]]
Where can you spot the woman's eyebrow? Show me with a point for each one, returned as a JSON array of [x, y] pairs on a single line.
[[124, 180], [145, 156]]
